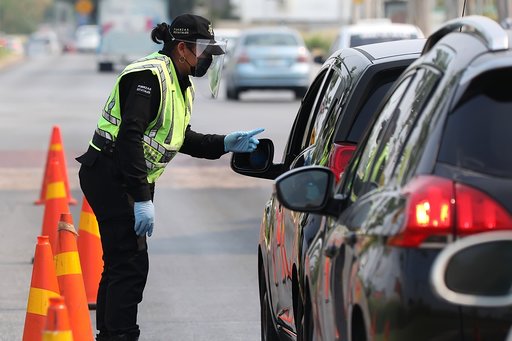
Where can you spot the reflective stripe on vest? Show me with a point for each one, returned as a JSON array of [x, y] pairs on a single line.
[[165, 134]]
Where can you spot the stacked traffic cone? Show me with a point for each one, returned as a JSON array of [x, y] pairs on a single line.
[[90, 251], [57, 321], [56, 203], [55, 152], [44, 285], [71, 282]]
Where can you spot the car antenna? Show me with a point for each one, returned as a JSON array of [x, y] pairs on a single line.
[[463, 12]]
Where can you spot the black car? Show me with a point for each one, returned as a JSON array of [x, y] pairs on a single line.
[[433, 168], [331, 120]]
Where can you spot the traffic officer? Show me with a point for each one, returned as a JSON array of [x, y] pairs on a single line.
[[142, 126]]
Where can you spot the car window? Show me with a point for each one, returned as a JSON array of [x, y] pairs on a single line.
[[330, 125], [477, 133], [325, 106], [400, 125], [271, 39], [367, 111], [359, 171], [303, 120]]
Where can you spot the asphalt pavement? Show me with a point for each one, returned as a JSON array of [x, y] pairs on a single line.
[[202, 283]]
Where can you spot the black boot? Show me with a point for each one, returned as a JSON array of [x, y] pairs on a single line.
[[102, 337], [123, 337]]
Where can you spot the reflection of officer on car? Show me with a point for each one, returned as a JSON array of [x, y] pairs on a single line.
[[144, 123]]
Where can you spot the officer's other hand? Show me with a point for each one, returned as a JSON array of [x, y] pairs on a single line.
[[242, 141], [144, 212]]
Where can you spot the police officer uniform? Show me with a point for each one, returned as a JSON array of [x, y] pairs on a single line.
[[144, 123]]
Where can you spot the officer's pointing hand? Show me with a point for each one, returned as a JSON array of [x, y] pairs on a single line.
[[242, 141]]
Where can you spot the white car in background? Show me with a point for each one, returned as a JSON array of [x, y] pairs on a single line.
[[43, 42], [231, 35], [373, 31], [118, 49], [268, 58], [87, 38]]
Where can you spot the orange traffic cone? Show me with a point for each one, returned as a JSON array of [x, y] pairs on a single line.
[[57, 321], [71, 282], [90, 251], [55, 203], [55, 151], [43, 286]]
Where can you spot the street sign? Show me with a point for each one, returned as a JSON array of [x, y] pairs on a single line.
[[84, 7]]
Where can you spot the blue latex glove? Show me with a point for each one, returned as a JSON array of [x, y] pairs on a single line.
[[242, 141], [144, 212]]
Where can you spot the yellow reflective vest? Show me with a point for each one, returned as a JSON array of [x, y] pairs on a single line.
[[165, 134]]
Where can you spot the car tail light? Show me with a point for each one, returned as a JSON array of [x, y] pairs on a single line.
[[243, 58], [303, 56], [340, 157], [477, 212], [439, 207]]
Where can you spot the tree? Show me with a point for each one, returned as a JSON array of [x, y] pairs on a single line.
[[22, 16]]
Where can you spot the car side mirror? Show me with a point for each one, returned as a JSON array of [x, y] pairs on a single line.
[[259, 163], [319, 59], [475, 270], [308, 189]]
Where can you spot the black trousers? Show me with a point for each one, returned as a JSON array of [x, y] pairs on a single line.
[[125, 255]]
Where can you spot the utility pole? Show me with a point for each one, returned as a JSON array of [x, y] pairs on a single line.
[[421, 14], [504, 10], [453, 8]]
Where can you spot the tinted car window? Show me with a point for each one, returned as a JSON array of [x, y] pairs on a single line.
[[477, 134], [325, 104], [305, 117], [361, 173], [368, 109], [400, 125], [271, 40]]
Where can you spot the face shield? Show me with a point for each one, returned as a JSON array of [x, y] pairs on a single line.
[[210, 59]]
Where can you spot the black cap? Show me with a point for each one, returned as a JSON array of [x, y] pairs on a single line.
[[189, 27]]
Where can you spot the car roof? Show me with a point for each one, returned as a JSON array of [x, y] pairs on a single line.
[[268, 29], [392, 48], [227, 32]]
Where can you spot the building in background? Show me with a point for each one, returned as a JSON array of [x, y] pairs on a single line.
[[427, 14], [293, 11]]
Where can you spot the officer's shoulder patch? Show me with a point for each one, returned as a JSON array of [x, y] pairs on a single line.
[[143, 90]]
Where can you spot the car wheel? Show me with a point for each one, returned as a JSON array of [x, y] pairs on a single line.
[[268, 332], [105, 67], [233, 94], [300, 93]]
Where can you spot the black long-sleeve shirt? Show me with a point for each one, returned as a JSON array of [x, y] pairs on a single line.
[[139, 94]]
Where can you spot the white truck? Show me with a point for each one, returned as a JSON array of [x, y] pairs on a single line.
[[125, 27]]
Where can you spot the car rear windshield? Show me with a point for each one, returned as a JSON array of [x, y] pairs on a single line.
[[478, 134], [271, 39]]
